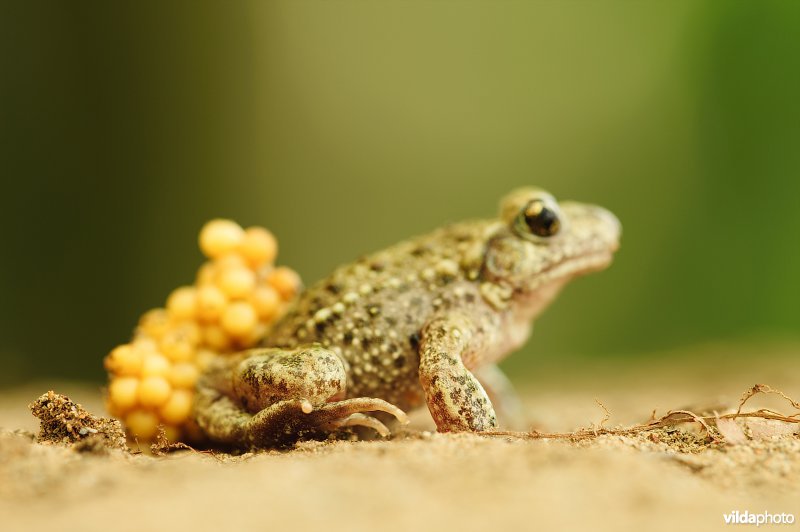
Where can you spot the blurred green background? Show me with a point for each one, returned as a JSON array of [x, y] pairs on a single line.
[[347, 126]]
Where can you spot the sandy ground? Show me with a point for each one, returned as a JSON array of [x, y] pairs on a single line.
[[432, 481]]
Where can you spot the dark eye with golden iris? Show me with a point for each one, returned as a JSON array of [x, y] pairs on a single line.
[[540, 219]]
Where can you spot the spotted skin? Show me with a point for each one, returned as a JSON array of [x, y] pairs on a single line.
[[416, 323]]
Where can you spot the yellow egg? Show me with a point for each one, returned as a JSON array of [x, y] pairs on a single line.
[[187, 331], [258, 246], [155, 364], [182, 303], [211, 302], [113, 409], [142, 424], [176, 348], [183, 375], [177, 408], [144, 344], [154, 391], [124, 360], [231, 260], [219, 237], [216, 338], [123, 392], [239, 319], [266, 301], [154, 323], [237, 281], [286, 281], [206, 274], [253, 338]]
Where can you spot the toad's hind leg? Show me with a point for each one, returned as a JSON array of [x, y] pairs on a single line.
[[265, 377], [271, 397]]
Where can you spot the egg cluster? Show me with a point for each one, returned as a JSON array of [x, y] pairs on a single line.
[[238, 293]]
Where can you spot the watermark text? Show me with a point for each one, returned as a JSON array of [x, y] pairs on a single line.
[[764, 518]]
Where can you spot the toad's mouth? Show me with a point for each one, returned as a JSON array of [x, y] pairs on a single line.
[[573, 267], [591, 262], [535, 297]]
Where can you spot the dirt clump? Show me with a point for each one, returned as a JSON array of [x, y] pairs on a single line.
[[65, 422]]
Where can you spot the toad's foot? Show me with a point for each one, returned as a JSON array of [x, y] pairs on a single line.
[[292, 420]]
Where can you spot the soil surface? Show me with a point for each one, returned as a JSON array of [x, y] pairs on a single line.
[[600, 477]]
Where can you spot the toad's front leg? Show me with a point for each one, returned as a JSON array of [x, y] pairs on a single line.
[[456, 399], [275, 397]]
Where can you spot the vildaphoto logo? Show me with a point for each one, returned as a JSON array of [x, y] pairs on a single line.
[[764, 518]]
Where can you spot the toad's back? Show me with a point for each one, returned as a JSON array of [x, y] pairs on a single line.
[[370, 312]]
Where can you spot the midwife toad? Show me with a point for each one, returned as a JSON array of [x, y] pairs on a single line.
[[423, 321]]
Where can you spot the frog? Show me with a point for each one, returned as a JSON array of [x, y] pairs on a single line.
[[421, 323]]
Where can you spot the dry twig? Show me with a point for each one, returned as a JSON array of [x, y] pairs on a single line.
[[671, 418]]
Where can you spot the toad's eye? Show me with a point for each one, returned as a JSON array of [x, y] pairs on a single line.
[[539, 219]]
